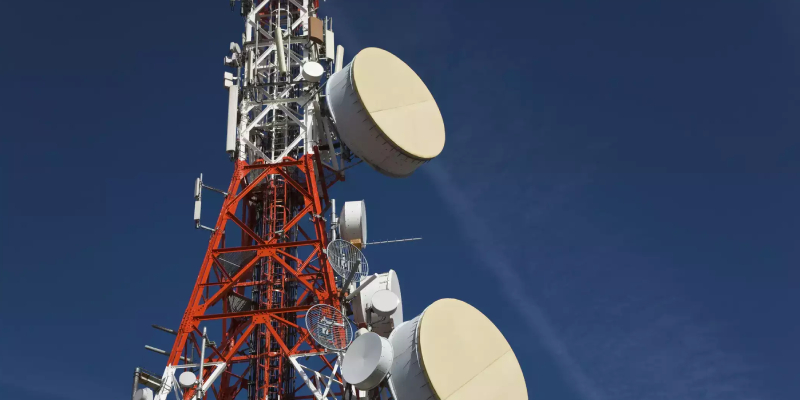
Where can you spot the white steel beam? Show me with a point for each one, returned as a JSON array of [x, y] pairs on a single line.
[[289, 149], [252, 15], [300, 6], [257, 119], [293, 117], [256, 150], [303, 375]]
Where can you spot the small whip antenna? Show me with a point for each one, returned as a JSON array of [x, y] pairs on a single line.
[[394, 241]]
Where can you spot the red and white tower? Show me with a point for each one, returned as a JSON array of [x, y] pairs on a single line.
[[283, 289]]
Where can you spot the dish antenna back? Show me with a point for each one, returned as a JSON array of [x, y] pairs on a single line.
[[347, 260], [329, 327]]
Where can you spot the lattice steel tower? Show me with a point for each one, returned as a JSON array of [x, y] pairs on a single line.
[[265, 261], [283, 307]]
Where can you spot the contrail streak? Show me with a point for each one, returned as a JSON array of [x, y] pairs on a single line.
[[474, 228]]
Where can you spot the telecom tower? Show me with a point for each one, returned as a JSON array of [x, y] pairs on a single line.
[[284, 307]]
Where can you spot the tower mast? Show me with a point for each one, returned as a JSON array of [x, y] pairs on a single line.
[[270, 263], [265, 263]]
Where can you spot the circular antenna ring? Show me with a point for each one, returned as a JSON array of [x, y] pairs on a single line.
[[329, 327], [346, 258]]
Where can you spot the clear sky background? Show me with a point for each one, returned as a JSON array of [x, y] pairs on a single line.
[[618, 192]]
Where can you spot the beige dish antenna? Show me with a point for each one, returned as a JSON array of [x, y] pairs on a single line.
[[453, 352], [385, 114]]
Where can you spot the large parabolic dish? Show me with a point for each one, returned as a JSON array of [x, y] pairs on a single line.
[[385, 114], [453, 352]]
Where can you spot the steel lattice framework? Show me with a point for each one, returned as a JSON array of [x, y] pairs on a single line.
[[265, 264], [261, 330]]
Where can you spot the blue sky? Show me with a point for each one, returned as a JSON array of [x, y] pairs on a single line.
[[618, 191]]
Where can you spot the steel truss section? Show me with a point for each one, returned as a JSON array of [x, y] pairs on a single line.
[[265, 264], [326, 385], [170, 384], [230, 289], [277, 108], [320, 384]]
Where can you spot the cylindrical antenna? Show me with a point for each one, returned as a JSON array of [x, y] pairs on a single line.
[[334, 220], [279, 49], [136, 373], [339, 58], [161, 328], [162, 352]]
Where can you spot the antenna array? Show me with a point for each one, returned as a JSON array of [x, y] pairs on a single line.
[[284, 279]]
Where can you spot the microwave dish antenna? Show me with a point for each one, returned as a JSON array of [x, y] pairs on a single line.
[[367, 361], [384, 113], [347, 260], [329, 327], [187, 379], [450, 351], [382, 313]]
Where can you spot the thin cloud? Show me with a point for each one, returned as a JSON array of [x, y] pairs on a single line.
[[495, 262], [635, 336]]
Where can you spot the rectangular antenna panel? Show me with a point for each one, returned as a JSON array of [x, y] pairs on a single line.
[[233, 116], [315, 30], [330, 50]]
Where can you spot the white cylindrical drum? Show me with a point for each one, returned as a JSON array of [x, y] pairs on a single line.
[[408, 380], [353, 222], [385, 114], [367, 361], [453, 352], [312, 71], [384, 303], [187, 379]]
